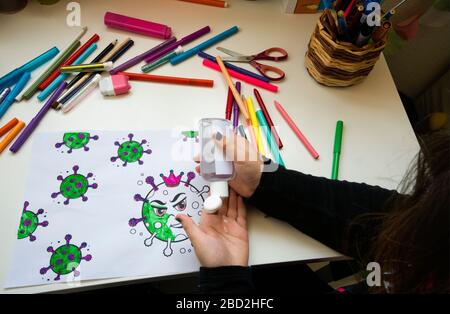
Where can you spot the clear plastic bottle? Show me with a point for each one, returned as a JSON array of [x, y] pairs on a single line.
[[214, 166]]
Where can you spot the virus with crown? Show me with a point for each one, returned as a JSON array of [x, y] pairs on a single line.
[[74, 186], [173, 195], [76, 140], [29, 223], [193, 135], [131, 151], [66, 258]]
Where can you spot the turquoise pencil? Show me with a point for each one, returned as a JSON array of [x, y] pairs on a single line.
[[270, 140]]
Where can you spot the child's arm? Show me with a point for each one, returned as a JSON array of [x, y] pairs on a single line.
[[322, 208]]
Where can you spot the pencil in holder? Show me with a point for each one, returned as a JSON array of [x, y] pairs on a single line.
[[333, 62]]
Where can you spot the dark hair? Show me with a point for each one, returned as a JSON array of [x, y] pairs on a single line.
[[413, 243]]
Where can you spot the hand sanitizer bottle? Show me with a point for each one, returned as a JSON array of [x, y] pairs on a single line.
[[214, 167]]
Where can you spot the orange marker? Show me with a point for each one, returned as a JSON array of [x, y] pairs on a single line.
[[168, 79], [214, 3], [11, 135], [8, 126]]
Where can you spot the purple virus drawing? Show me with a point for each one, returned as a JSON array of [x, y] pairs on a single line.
[[66, 259], [131, 151], [74, 186], [76, 140], [29, 222], [163, 202]]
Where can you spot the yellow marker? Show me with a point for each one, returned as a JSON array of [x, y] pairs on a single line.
[[255, 124], [236, 94]]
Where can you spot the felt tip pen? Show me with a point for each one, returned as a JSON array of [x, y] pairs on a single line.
[[270, 140], [4, 94], [165, 59], [9, 100], [86, 68], [337, 149], [206, 44]]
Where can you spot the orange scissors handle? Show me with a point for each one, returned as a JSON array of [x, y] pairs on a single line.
[[267, 70]]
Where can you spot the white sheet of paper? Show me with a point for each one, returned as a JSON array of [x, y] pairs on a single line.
[[102, 219]]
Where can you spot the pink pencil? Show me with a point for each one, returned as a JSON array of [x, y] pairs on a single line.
[[270, 87], [296, 130]]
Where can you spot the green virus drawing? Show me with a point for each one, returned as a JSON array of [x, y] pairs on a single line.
[[29, 223], [190, 135], [76, 140], [66, 259], [74, 186], [161, 205], [131, 151]]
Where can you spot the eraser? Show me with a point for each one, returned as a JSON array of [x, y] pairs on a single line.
[[138, 26], [114, 85]]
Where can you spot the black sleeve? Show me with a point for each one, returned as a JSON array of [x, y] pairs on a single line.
[[322, 208], [225, 280]]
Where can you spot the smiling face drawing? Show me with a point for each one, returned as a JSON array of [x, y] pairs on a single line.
[[164, 202]]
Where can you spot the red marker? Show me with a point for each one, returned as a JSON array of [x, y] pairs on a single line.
[[275, 135]]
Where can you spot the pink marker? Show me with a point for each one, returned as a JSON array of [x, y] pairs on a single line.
[[138, 26], [248, 79], [114, 85], [296, 130]]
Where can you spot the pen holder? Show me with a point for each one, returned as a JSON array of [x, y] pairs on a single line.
[[332, 62]]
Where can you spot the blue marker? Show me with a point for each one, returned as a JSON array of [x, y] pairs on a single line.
[[9, 100], [12, 77], [212, 41], [56, 82], [325, 4]]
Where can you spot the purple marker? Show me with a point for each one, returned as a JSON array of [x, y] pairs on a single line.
[[4, 93], [35, 121], [139, 58], [236, 109], [182, 42]]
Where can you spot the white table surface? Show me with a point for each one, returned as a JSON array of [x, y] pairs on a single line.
[[378, 141]]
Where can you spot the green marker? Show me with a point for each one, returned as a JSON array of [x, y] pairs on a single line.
[[272, 143], [151, 66], [337, 149]]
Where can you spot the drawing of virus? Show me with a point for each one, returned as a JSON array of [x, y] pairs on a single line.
[[29, 223], [66, 259], [131, 151], [74, 186], [190, 135], [76, 140], [161, 205]]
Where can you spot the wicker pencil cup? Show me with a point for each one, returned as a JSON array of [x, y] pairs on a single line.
[[335, 63]]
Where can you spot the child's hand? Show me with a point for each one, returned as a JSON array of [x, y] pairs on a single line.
[[220, 239], [247, 161]]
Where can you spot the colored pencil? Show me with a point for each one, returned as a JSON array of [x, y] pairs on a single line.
[[227, 77], [100, 56], [95, 38], [250, 80], [163, 60], [263, 107], [62, 57], [168, 79], [133, 61], [81, 94], [11, 135], [296, 130]]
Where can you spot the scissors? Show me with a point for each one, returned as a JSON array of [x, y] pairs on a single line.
[[271, 54]]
